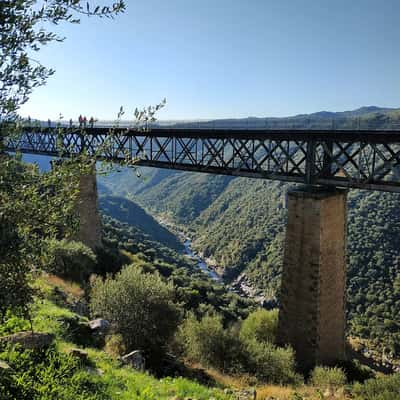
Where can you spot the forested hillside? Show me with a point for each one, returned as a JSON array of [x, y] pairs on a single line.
[[128, 212], [125, 243], [239, 223], [183, 196]]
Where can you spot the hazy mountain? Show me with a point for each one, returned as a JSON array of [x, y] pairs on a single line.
[[369, 117]]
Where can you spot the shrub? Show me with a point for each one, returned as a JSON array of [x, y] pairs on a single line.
[[140, 307], [355, 371], [328, 378], [115, 345], [260, 325], [271, 363], [380, 388], [206, 341], [16, 292], [69, 259]]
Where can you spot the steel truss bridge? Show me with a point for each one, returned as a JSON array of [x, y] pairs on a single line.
[[361, 159]]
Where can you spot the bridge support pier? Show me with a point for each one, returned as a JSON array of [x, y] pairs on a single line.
[[88, 210], [312, 314]]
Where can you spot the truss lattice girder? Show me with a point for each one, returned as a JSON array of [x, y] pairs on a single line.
[[352, 159]]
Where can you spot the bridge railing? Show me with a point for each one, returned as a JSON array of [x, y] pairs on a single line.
[[380, 122]]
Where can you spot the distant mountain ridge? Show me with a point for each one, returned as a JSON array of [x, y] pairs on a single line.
[[366, 117], [352, 113], [366, 113]]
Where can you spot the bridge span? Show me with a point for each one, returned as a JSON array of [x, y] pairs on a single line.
[[361, 159], [327, 163]]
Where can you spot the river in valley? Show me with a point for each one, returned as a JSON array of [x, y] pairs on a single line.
[[189, 252], [240, 285]]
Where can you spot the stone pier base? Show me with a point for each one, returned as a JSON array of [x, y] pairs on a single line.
[[88, 211], [312, 314]]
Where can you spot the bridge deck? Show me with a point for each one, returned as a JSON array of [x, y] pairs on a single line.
[[344, 158]]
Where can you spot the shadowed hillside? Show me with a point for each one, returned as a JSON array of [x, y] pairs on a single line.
[[128, 212]]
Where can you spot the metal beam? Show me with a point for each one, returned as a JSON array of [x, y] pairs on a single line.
[[344, 158]]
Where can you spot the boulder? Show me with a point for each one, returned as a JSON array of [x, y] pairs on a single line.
[[135, 359], [29, 340], [99, 326]]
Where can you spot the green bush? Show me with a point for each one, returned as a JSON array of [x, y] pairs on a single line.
[[381, 388], [140, 307], [355, 371], [328, 378], [260, 325], [206, 341], [115, 345], [272, 364], [16, 292], [69, 259]]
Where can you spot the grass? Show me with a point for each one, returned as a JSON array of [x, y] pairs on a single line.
[[301, 393], [124, 383], [48, 317], [225, 380], [70, 288], [276, 392]]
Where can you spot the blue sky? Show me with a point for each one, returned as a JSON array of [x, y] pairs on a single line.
[[226, 58]]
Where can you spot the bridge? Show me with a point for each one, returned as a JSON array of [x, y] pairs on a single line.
[[360, 159], [326, 162]]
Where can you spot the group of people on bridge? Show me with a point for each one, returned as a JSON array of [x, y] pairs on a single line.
[[83, 121]]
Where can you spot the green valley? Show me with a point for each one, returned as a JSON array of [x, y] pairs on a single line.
[[239, 223]]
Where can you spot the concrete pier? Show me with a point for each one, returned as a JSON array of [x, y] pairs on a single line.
[[312, 314], [88, 211]]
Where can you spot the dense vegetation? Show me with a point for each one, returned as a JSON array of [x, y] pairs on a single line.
[[53, 374], [373, 268], [238, 349], [194, 290], [140, 307]]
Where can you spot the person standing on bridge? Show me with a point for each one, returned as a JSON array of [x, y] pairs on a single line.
[[80, 121], [91, 122], [84, 121]]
